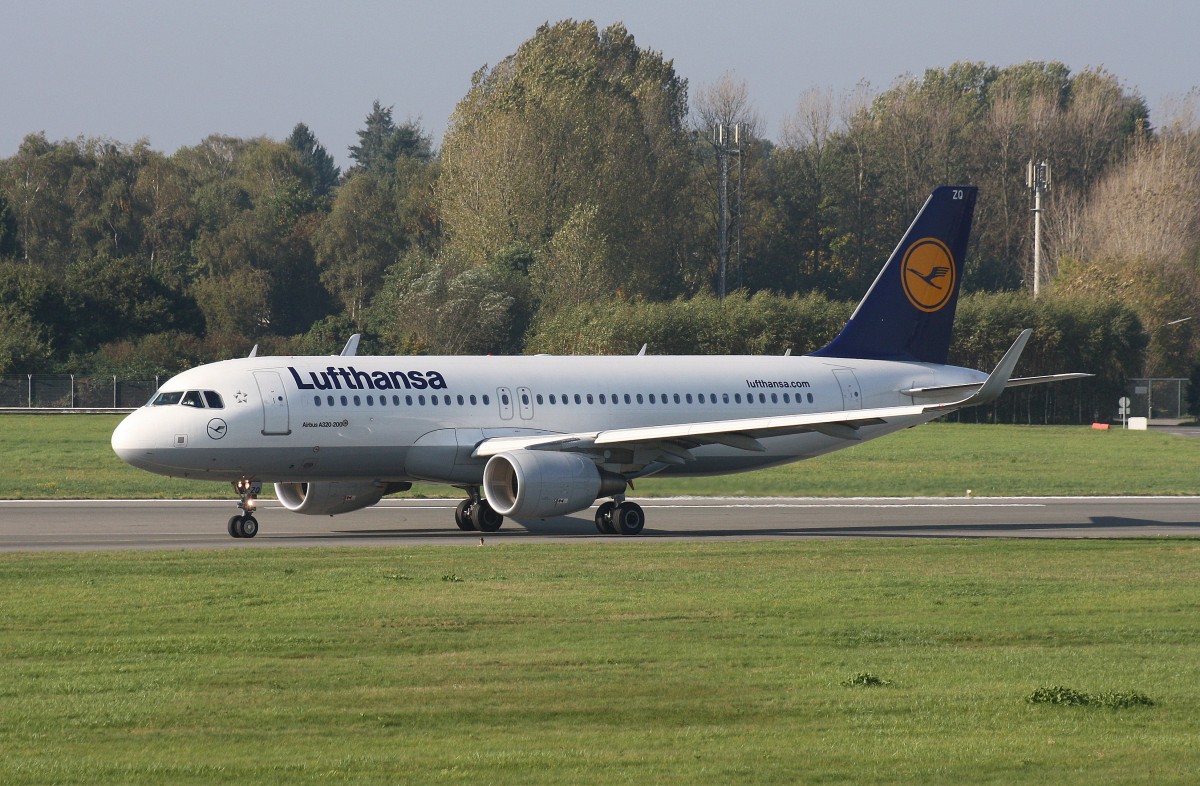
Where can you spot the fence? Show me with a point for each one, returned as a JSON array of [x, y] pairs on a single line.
[[70, 391], [1158, 398]]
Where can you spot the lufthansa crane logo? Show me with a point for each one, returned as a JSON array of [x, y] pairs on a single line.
[[217, 428], [928, 274]]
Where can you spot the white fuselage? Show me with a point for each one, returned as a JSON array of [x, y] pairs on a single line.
[[395, 418]]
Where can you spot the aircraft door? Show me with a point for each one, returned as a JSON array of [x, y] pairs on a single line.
[[525, 402], [851, 395], [504, 399], [274, 401]]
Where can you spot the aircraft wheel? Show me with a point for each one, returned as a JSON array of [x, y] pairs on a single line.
[[249, 526], [235, 527], [628, 518], [462, 516], [484, 517], [604, 522]]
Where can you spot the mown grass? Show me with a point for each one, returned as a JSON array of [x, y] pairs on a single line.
[[68, 456], [603, 663]]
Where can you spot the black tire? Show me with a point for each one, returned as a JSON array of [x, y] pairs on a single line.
[[484, 517], [235, 527], [249, 526], [628, 518], [604, 524], [462, 516]]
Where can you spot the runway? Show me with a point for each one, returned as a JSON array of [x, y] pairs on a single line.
[[81, 525]]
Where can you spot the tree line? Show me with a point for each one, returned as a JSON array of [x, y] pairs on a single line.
[[574, 196]]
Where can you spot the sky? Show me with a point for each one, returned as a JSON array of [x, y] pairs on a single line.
[[173, 72]]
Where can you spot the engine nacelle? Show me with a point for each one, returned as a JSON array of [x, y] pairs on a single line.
[[537, 484], [333, 497]]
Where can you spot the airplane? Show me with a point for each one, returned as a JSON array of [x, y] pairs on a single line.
[[534, 437]]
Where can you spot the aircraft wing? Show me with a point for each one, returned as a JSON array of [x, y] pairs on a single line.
[[742, 433], [745, 433]]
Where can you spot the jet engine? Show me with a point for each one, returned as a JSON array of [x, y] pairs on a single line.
[[537, 484], [333, 497]]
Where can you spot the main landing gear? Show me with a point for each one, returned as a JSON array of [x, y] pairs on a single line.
[[474, 513], [244, 525], [618, 516]]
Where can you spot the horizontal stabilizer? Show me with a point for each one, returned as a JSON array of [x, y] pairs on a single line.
[[1017, 382]]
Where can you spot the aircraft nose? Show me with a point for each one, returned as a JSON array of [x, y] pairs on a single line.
[[130, 441]]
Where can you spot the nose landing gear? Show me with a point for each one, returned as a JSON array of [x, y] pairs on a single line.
[[244, 525]]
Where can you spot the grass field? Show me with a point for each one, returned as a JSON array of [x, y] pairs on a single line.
[[602, 663], [68, 456]]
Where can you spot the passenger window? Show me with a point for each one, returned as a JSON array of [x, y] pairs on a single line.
[[192, 399], [590, 400], [602, 398], [486, 399], [565, 400], [627, 401], [578, 400], [396, 401], [537, 398], [725, 398], [639, 398], [525, 399], [344, 401], [762, 398], [408, 400], [472, 399], [329, 400], [810, 398], [357, 401], [213, 399], [460, 400], [676, 398], [651, 398], [370, 401], [433, 400], [421, 400], [503, 399], [774, 398], [317, 400], [552, 401], [700, 397], [446, 399], [737, 398], [688, 398], [786, 399]]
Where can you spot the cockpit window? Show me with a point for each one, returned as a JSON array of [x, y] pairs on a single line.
[[192, 399], [214, 399], [166, 399]]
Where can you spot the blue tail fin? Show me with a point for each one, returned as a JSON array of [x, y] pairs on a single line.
[[908, 312]]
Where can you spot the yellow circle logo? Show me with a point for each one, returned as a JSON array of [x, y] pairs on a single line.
[[928, 274]]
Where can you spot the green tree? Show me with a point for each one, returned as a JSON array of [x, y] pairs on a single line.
[[381, 143], [576, 120], [23, 345], [10, 245], [359, 239], [314, 155]]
